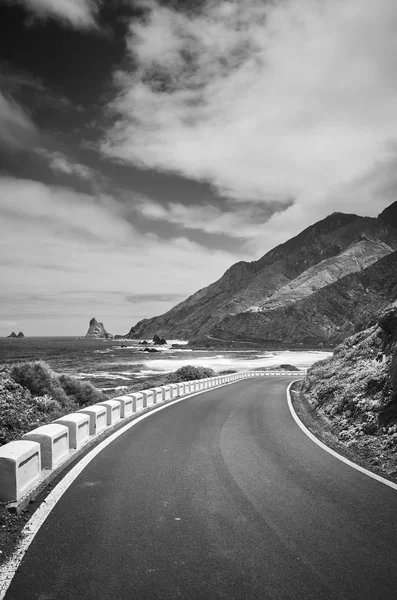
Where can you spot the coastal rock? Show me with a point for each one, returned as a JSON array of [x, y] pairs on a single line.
[[324, 284], [158, 341], [97, 330], [20, 335], [12, 335], [150, 350]]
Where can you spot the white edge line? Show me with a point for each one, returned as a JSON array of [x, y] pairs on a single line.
[[329, 450], [9, 568]]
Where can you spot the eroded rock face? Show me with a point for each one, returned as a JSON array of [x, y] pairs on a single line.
[[97, 330], [159, 341]]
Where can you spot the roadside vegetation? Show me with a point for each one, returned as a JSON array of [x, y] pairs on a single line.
[[32, 394], [355, 393]]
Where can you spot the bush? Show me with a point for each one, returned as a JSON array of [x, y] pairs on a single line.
[[31, 395], [227, 372], [40, 380], [190, 372], [82, 393]]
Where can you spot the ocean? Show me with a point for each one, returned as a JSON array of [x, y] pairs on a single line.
[[111, 364]]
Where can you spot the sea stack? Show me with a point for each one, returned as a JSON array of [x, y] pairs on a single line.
[[97, 330], [12, 335], [20, 335]]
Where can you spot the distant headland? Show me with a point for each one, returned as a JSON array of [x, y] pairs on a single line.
[[14, 335]]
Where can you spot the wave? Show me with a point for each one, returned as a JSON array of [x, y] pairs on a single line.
[[221, 362]]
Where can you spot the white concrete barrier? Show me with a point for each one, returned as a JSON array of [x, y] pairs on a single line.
[[20, 469], [174, 390], [97, 415], [54, 443], [113, 411], [157, 394], [125, 406], [166, 392], [137, 401], [148, 398], [78, 424]]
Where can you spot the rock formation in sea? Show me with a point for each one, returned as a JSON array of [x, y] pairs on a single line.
[[158, 341], [20, 335], [97, 330], [12, 335], [315, 289]]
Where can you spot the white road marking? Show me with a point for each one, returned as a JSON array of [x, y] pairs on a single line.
[[8, 569], [329, 450]]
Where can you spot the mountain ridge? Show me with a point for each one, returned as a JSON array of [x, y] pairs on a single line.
[[334, 247]]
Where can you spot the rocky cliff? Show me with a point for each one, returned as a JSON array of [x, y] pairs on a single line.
[[97, 330], [291, 295]]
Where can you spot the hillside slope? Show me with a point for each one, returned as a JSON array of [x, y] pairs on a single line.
[[355, 391], [323, 253], [324, 317]]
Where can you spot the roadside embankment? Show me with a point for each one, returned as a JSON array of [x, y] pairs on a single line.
[[349, 400]]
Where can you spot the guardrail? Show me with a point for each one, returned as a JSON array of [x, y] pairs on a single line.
[[33, 461]]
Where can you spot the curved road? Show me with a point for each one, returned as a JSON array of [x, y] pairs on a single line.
[[220, 496]]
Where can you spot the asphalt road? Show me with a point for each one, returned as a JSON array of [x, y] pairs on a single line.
[[221, 496]]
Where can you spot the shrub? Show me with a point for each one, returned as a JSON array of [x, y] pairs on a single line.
[[40, 380], [190, 372], [82, 393], [226, 372]]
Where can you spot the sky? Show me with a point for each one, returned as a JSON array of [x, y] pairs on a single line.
[[146, 146]]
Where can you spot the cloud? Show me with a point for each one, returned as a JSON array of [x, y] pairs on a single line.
[[58, 161], [17, 130], [242, 221], [139, 298], [265, 100], [79, 257], [80, 14]]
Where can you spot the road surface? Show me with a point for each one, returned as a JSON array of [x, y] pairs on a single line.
[[220, 496]]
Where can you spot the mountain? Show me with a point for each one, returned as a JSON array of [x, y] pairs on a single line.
[[12, 335], [20, 335], [97, 330], [291, 295]]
